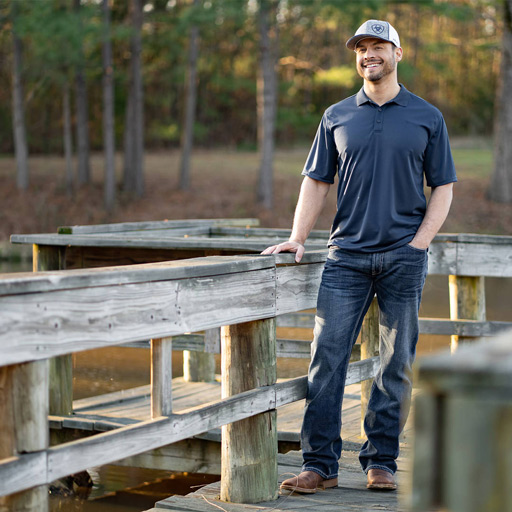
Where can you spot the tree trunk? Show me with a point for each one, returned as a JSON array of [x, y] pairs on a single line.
[[138, 96], [68, 141], [500, 188], [128, 143], [20, 138], [190, 106], [108, 112], [267, 101], [82, 118], [134, 126]]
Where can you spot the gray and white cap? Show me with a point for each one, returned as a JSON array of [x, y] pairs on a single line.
[[374, 28]]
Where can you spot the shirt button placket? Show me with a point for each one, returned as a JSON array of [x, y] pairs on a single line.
[[378, 120]]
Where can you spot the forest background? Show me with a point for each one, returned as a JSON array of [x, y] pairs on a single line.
[[130, 110]]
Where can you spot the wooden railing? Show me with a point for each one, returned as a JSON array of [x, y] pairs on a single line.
[[463, 426], [50, 314]]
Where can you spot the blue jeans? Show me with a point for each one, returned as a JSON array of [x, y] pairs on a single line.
[[350, 280]]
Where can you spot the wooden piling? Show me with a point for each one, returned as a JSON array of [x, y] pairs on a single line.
[[200, 366], [161, 377], [24, 426], [249, 447], [467, 302], [369, 348]]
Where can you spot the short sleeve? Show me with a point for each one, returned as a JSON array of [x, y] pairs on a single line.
[[438, 163], [322, 161]]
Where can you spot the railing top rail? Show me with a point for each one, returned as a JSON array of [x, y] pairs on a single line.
[[54, 313], [209, 266], [473, 366], [164, 224]]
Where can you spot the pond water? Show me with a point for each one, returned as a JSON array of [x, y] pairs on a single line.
[[122, 489]]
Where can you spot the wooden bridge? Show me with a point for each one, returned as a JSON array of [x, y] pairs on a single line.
[[47, 316]]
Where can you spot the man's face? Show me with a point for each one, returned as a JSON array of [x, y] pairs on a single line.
[[376, 58]]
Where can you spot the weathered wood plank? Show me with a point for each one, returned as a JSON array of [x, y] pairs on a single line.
[[300, 320], [191, 455], [94, 257], [132, 440], [148, 242], [472, 328], [484, 259], [23, 471], [439, 326], [71, 320], [442, 258], [267, 233], [297, 287], [351, 495], [150, 225], [480, 365], [26, 282]]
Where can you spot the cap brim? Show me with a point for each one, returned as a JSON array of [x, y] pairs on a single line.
[[351, 43]]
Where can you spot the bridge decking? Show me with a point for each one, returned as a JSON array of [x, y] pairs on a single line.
[[130, 406], [351, 495], [106, 412]]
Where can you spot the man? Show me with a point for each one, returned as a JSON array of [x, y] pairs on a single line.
[[381, 143]]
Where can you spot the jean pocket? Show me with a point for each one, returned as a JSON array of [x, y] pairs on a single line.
[[424, 251]]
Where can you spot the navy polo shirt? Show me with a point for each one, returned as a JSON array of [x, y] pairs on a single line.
[[381, 154]]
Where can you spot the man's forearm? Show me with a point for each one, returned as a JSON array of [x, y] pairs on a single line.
[[437, 211], [311, 202]]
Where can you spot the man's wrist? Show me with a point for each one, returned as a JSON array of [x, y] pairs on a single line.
[[419, 243]]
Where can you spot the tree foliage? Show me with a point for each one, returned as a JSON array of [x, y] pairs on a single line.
[[451, 58]]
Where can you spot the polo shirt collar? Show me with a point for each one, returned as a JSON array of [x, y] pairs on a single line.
[[402, 98]]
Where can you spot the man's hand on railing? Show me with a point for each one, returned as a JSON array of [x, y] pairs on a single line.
[[290, 246]]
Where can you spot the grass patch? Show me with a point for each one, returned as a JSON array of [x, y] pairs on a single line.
[[473, 163]]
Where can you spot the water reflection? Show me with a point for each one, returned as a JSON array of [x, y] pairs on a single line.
[[124, 489]]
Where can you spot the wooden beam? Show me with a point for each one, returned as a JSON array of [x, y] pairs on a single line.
[[62, 322], [249, 447], [164, 224], [27, 282]]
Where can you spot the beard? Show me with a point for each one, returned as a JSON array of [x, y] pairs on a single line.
[[388, 66]]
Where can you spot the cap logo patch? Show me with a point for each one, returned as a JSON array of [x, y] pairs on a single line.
[[378, 29]]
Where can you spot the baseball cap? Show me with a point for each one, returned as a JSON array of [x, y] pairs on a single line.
[[374, 28]]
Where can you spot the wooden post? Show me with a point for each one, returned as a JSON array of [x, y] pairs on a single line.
[[467, 302], [161, 377], [369, 348], [24, 426], [249, 447], [466, 401], [45, 258], [200, 366]]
